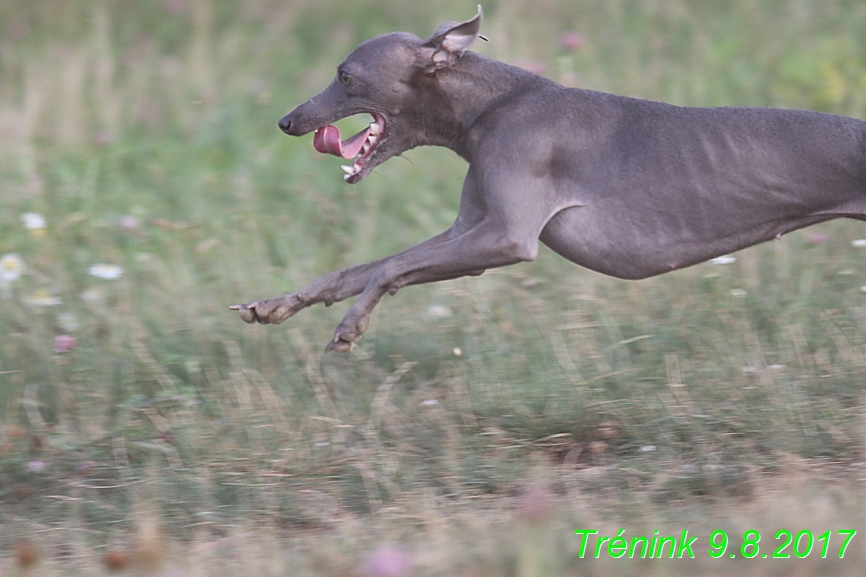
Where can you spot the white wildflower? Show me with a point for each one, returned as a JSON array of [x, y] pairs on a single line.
[[439, 312], [859, 243], [11, 268], [106, 271], [42, 298], [738, 292], [726, 259], [33, 221]]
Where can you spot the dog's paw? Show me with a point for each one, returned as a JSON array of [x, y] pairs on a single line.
[[350, 329], [270, 311], [340, 345]]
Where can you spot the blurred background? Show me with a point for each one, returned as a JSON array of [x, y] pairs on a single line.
[[145, 186]]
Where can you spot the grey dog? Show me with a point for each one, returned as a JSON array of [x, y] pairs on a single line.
[[627, 187]]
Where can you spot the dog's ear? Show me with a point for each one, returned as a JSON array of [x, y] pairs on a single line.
[[451, 40]]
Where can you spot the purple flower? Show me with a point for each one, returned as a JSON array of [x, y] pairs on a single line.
[[64, 343], [85, 466], [534, 66], [387, 562], [101, 138], [36, 465], [536, 504], [128, 223], [571, 41]]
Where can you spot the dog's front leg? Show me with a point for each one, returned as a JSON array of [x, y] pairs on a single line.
[[328, 289], [502, 213], [486, 245]]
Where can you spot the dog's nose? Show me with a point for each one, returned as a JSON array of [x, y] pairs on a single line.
[[285, 123]]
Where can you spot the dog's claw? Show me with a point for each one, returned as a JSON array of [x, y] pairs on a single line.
[[247, 313], [340, 345]]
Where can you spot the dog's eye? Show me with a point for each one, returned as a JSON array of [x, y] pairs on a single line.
[[344, 76]]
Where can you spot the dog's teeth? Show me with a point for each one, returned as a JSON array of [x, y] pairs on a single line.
[[365, 148], [347, 176], [374, 128], [347, 169]]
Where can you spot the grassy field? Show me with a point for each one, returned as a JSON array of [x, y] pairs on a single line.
[[144, 187]]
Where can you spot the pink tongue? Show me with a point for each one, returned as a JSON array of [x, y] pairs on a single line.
[[327, 141]]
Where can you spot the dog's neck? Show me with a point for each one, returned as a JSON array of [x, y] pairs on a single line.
[[470, 88]]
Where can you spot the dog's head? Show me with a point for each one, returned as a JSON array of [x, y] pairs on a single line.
[[391, 77]]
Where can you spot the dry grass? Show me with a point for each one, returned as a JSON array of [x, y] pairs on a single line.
[[529, 533]]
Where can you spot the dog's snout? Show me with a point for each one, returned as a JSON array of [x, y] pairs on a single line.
[[285, 123]]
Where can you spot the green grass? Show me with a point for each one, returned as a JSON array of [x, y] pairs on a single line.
[[722, 396]]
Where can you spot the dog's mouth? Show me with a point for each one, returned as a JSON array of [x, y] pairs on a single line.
[[359, 147]]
